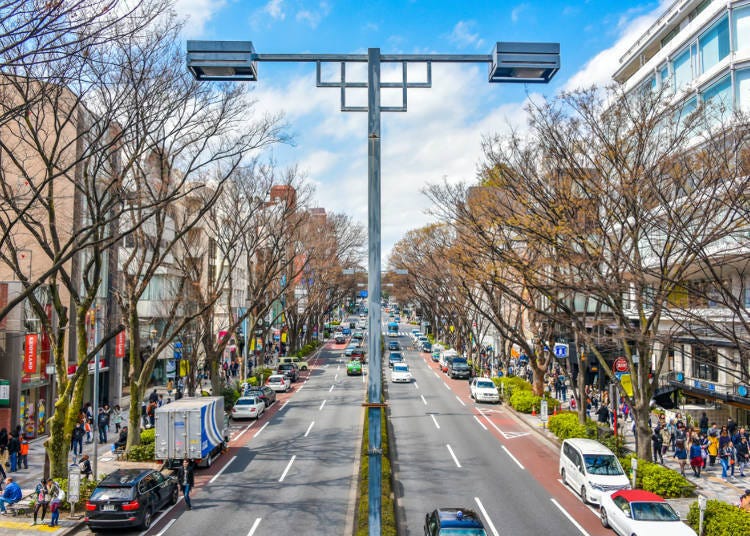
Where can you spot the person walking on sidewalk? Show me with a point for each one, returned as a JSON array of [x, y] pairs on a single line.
[[14, 447], [102, 420], [696, 457], [657, 442], [23, 454], [186, 479], [724, 455], [681, 454], [76, 440], [713, 448], [85, 466], [57, 496], [117, 418], [41, 493], [743, 454]]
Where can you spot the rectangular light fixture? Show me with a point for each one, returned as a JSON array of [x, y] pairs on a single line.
[[528, 63], [222, 60]]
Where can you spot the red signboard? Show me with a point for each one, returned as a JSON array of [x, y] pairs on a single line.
[[120, 344], [29, 357], [620, 365]]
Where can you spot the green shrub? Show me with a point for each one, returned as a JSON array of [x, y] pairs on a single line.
[[720, 519], [252, 380], [565, 425], [507, 385], [148, 436], [141, 453], [658, 479], [230, 395]]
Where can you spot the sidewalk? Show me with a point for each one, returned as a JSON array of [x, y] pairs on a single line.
[[29, 478], [709, 484]]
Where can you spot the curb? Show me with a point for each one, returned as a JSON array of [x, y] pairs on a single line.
[[551, 442], [73, 529]]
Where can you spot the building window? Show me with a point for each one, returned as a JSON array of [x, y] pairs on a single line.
[[705, 363], [747, 296], [742, 81], [714, 45], [741, 23], [718, 100], [664, 79], [682, 69]]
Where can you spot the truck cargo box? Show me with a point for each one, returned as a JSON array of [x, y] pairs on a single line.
[[192, 428]]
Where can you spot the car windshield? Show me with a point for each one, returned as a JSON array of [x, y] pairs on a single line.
[[400, 368], [275, 379], [653, 511], [105, 494], [602, 464], [463, 532], [486, 385], [246, 402], [460, 366]]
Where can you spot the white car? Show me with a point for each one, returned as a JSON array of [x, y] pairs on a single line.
[[248, 407], [400, 373], [279, 382], [484, 390], [637, 512]]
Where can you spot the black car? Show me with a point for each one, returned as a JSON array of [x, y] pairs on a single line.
[[394, 346], [459, 369], [263, 392], [290, 370], [129, 497], [453, 521]]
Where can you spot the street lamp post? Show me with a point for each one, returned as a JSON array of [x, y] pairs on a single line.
[[508, 62]]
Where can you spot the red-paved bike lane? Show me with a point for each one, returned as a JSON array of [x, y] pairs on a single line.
[[244, 435], [536, 454]]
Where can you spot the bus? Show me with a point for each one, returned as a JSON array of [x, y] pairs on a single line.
[[393, 329]]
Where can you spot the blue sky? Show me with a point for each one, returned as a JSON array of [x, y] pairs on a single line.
[[439, 137]]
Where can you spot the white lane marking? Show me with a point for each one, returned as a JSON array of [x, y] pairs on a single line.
[[217, 475], [166, 528], [321, 406], [506, 435], [283, 405], [436, 374], [570, 518], [486, 516], [416, 385], [254, 527], [338, 367], [447, 386], [363, 377], [336, 377], [453, 456], [332, 386], [243, 431], [165, 512], [309, 428], [261, 429], [424, 399], [574, 494], [462, 402], [301, 387], [480, 422], [513, 457], [435, 421], [288, 466]]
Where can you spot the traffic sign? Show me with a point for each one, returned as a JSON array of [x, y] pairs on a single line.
[[561, 350], [544, 411], [620, 365]]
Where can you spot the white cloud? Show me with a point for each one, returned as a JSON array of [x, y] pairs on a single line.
[[515, 13], [599, 69], [275, 9], [198, 13], [462, 35], [313, 18]]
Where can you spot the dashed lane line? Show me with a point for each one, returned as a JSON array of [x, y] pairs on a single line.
[[435, 421], [288, 466], [486, 516], [217, 475], [570, 517], [480, 422], [513, 457], [254, 527], [458, 464]]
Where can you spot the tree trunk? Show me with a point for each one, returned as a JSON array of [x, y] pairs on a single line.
[[134, 415], [641, 415], [537, 384]]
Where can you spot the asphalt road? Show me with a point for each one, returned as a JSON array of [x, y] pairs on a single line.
[[451, 452], [293, 472]]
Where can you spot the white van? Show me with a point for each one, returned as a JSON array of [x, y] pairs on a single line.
[[444, 355], [591, 469]]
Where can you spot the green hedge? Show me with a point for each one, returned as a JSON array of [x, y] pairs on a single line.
[[720, 519], [85, 490], [658, 479], [145, 451], [526, 401], [566, 425], [307, 349], [387, 506], [507, 385]]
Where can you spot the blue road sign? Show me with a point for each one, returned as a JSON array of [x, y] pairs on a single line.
[[561, 350], [362, 293]]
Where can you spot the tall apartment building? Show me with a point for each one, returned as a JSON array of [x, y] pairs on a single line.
[[698, 51]]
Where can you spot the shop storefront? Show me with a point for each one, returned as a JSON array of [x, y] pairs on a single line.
[[35, 386]]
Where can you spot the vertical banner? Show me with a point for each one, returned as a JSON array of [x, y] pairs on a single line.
[[29, 358], [120, 344]]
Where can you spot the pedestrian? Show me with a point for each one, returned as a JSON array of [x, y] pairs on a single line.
[[122, 439], [14, 447], [85, 467], [108, 413], [153, 397], [160, 403], [666, 436], [713, 448], [657, 442], [186, 479], [87, 428], [57, 496], [743, 454], [170, 387], [724, 455], [41, 493], [731, 426], [681, 454], [23, 454], [101, 425], [745, 501], [703, 423], [11, 495], [696, 457], [76, 441], [117, 418], [602, 414]]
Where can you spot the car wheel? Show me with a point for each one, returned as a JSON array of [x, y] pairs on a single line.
[[605, 521], [584, 497], [209, 461], [146, 520], [175, 496]]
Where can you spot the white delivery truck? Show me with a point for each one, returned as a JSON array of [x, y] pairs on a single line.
[[192, 428]]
